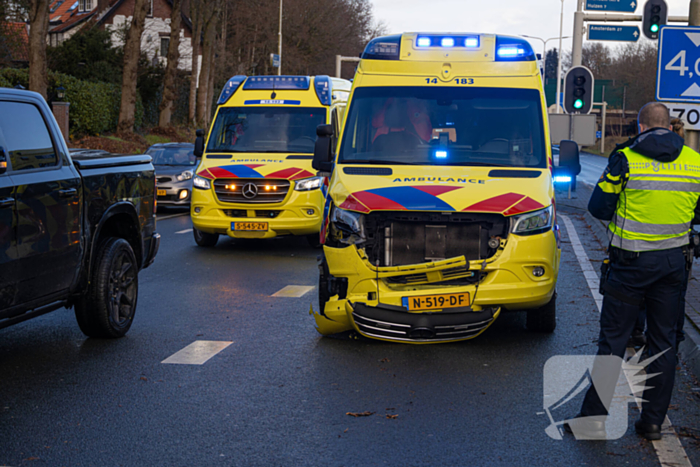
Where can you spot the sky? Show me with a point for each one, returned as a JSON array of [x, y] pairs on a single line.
[[513, 17]]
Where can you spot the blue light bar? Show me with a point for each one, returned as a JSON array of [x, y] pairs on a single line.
[[229, 88], [447, 42], [383, 48], [278, 83], [441, 154], [471, 42], [424, 42], [323, 86], [562, 179], [513, 49]]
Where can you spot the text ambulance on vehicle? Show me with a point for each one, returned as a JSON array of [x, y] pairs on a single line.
[[255, 178], [440, 211]]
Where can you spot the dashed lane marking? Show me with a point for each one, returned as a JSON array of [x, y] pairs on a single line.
[[294, 291], [184, 231], [197, 353], [668, 449]]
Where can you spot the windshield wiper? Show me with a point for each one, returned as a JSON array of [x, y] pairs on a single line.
[[479, 164]]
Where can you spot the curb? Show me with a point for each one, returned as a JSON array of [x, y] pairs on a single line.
[[689, 349]]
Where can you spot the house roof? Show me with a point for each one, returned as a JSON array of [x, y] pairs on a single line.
[[15, 40]]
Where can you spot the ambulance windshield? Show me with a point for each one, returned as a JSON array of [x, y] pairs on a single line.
[[266, 129], [445, 126]]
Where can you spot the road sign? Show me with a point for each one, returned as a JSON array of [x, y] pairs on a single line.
[[608, 32], [275, 60], [689, 113], [678, 77], [623, 6], [598, 134]]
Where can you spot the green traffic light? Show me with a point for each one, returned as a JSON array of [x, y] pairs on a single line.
[[578, 104], [654, 28]]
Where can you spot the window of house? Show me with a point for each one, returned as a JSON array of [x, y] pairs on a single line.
[[164, 45], [150, 8], [85, 5]]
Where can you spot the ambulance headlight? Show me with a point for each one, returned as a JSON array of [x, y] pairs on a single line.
[[533, 222], [201, 183], [347, 227], [308, 184]]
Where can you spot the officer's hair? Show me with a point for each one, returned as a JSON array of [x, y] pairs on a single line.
[[655, 115]]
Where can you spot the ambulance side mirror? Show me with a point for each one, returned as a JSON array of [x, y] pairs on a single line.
[[199, 144], [323, 161], [569, 156]]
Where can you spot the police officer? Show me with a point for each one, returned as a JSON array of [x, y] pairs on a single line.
[[649, 192]]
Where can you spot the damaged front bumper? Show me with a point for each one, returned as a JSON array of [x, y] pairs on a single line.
[[371, 302]]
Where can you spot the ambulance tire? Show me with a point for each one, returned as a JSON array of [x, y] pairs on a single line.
[[543, 319], [204, 239]]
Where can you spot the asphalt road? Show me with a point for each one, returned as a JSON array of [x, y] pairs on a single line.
[[279, 393], [592, 168]]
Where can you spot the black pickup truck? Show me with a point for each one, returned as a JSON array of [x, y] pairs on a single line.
[[73, 232]]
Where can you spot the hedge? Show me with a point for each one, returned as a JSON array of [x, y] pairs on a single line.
[[94, 106]]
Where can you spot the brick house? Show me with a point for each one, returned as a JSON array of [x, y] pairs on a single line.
[[68, 16], [14, 43]]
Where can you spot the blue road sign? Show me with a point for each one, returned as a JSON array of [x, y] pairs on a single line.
[[623, 6], [598, 134], [275, 60], [612, 32], [678, 77]]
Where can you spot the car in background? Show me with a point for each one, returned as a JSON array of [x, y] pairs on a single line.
[[175, 164]]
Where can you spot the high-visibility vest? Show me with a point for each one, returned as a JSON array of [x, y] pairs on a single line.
[[657, 202]]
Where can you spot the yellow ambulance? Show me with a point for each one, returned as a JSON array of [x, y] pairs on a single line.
[[255, 178], [441, 210]]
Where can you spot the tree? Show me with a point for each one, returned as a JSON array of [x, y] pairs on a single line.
[[196, 14], [38, 29], [598, 58], [169, 85], [132, 52], [88, 55], [551, 64], [635, 66], [211, 18]]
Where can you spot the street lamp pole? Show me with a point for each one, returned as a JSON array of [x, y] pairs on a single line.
[[544, 47]]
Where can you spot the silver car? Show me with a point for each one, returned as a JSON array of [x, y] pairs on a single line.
[[175, 166]]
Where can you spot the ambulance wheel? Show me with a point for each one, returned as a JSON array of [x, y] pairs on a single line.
[[543, 319], [204, 239]]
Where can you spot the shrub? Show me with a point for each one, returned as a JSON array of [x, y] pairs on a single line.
[[94, 106]]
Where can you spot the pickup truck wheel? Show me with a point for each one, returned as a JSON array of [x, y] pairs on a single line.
[[204, 239], [108, 307], [543, 319]]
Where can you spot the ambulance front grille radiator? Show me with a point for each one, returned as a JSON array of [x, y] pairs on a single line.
[[251, 191]]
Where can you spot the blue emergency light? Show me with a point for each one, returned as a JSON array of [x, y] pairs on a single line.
[[277, 83], [324, 88], [229, 88], [471, 42], [513, 49], [383, 48], [562, 179], [447, 42], [441, 154], [424, 42]]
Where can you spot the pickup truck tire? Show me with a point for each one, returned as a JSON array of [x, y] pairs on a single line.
[[204, 239], [107, 309], [543, 319]]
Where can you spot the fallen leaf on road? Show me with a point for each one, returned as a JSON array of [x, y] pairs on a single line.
[[143, 378], [384, 360], [359, 414], [391, 417]]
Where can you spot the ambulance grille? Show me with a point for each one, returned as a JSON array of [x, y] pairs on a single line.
[[251, 190]]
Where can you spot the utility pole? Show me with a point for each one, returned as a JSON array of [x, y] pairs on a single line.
[[691, 136], [279, 46], [561, 34]]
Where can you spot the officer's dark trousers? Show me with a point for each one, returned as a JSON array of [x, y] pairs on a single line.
[[657, 277]]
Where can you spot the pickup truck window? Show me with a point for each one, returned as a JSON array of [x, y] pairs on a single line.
[[24, 135]]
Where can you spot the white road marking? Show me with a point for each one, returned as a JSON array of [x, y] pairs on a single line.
[[173, 215], [197, 353], [668, 449], [294, 291], [184, 231]]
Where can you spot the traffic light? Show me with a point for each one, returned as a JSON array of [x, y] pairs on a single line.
[[655, 16], [578, 90]]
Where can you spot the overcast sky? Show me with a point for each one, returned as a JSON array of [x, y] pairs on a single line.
[[515, 17]]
